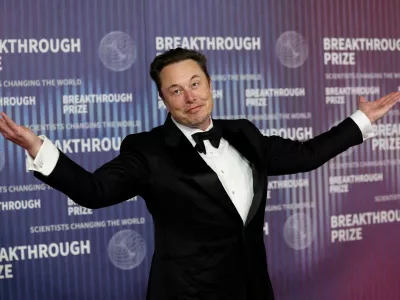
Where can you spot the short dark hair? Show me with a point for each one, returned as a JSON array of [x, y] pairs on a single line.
[[174, 56]]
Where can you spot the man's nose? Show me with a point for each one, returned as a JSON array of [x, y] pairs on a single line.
[[189, 96]]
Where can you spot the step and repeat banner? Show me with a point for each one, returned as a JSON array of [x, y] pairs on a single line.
[[77, 72]]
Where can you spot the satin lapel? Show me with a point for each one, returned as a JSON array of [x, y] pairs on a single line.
[[238, 138], [187, 159]]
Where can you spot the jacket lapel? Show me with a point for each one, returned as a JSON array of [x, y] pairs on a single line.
[[238, 138]]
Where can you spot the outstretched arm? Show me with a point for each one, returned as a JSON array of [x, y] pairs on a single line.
[[285, 156], [116, 181]]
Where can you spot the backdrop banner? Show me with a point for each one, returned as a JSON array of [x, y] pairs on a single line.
[[78, 73]]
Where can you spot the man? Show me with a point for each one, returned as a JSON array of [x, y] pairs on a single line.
[[207, 198]]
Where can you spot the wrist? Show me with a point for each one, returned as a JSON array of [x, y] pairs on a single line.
[[35, 147]]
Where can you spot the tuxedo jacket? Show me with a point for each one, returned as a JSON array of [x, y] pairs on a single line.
[[203, 249]]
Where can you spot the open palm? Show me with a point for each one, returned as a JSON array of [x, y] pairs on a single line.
[[19, 135], [374, 110]]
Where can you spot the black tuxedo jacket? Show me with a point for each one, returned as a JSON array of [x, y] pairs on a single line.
[[203, 250]]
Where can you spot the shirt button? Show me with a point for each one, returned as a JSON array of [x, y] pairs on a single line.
[[233, 192], [222, 171]]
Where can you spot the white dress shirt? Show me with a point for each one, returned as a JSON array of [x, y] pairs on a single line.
[[232, 169]]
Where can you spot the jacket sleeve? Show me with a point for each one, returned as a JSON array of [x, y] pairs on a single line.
[[284, 156], [117, 180]]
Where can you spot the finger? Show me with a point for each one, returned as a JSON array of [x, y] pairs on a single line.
[[386, 106], [10, 123], [387, 99], [362, 99], [391, 102], [2, 115], [397, 96], [392, 98], [5, 130], [3, 122], [394, 95]]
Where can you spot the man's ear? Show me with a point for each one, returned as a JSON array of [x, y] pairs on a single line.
[[160, 95]]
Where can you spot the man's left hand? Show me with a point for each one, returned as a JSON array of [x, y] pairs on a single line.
[[377, 109]]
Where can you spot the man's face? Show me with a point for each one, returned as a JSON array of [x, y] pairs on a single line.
[[187, 93]]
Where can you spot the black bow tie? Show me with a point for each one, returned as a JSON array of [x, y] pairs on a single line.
[[214, 136]]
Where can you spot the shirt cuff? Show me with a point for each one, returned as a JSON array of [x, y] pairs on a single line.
[[364, 124], [45, 160]]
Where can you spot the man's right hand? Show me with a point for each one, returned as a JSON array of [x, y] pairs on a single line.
[[20, 135]]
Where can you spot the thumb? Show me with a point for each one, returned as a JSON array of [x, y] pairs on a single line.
[[362, 99]]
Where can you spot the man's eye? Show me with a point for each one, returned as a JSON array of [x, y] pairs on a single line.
[[195, 84], [177, 92]]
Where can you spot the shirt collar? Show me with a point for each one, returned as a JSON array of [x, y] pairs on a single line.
[[188, 131]]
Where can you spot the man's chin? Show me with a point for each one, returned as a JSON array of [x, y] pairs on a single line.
[[199, 122]]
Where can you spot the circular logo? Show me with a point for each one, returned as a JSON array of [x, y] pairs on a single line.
[[117, 51], [291, 49], [298, 232], [126, 249], [2, 159]]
